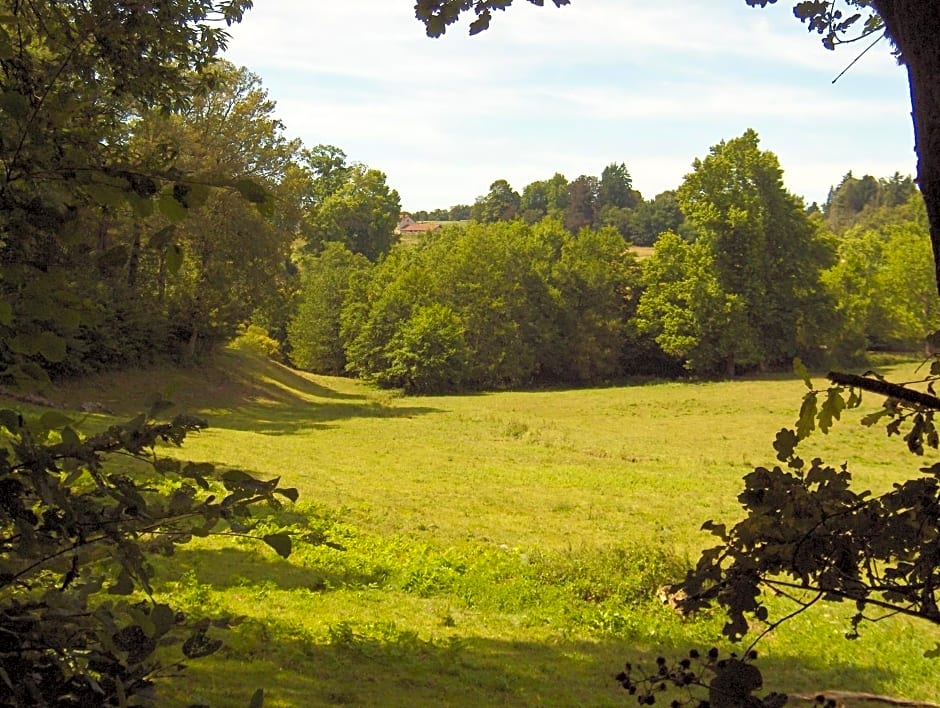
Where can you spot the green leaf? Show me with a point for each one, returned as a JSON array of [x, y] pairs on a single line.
[[716, 529], [51, 346], [280, 542], [831, 409], [70, 437], [162, 238], [251, 190], [53, 420], [800, 370], [481, 23], [170, 208], [190, 195], [107, 195], [806, 423], [163, 618], [872, 418], [11, 420], [123, 586], [237, 477], [6, 313], [257, 700], [174, 258], [142, 206], [934, 469]]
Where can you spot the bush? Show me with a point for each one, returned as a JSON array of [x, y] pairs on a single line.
[[428, 353], [256, 340]]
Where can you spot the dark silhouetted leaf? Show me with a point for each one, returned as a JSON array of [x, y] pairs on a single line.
[[280, 542]]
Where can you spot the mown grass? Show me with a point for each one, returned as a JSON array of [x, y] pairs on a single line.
[[500, 549]]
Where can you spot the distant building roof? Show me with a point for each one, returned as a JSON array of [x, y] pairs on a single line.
[[419, 228]]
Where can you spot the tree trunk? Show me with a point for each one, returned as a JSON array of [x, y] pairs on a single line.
[[133, 260], [914, 26]]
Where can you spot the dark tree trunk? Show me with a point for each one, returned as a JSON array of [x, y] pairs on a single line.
[[914, 26], [133, 260]]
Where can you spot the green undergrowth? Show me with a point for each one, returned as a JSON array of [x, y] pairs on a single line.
[[492, 549]]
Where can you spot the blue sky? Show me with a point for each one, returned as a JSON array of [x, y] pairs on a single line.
[[650, 84]]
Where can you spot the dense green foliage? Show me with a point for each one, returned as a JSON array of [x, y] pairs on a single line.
[[81, 521], [587, 201], [314, 330], [151, 206], [484, 306], [149, 213], [754, 279]]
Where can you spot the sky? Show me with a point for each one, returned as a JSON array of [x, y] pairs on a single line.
[[653, 85]]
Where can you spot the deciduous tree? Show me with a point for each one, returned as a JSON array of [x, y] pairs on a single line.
[[315, 340], [765, 250], [501, 203]]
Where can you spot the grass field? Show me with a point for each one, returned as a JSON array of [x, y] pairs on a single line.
[[500, 549]]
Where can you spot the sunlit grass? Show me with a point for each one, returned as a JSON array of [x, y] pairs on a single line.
[[500, 549]]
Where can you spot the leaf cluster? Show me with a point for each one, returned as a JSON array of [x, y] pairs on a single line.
[[438, 14], [728, 682], [809, 536], [81, 518]]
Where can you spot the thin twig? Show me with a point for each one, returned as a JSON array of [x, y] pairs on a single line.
[[863, 52]]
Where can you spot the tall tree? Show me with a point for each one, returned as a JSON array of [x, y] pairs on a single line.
[[315, 340], [72, 77], [615, 188], [547, 197], [361, 212], [236, 258], [82, 516], [656, 216], [582, 203], [501, 203], [687, 311], [765, 249]]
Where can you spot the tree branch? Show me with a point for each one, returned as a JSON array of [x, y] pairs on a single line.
[[885, 388]]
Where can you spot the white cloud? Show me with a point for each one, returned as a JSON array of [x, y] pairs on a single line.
[[570, 90]]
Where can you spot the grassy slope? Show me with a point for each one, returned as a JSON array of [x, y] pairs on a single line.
[[501, 548]]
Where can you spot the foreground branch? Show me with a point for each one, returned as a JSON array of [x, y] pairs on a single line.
[[885, 388]]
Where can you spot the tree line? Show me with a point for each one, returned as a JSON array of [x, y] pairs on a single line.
[[748, 280], [608, 200]]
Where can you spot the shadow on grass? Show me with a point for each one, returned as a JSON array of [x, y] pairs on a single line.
[[255, 392], [273, 399], [283, 419], [224, 568], [387, 666]]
